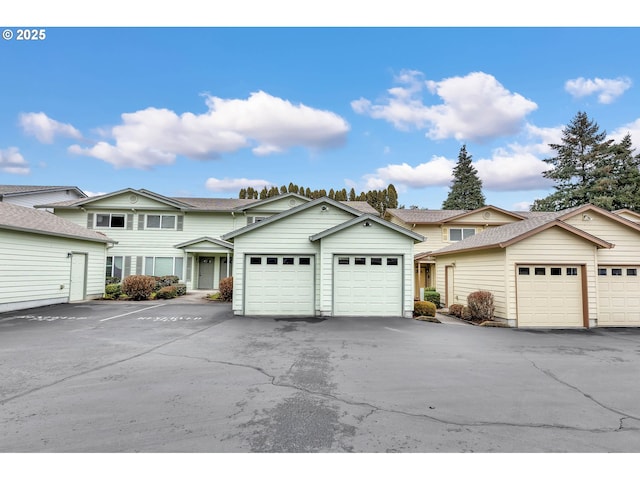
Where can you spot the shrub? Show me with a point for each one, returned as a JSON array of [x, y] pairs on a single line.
[[481, 305], [433, 297], [110, 280], [226, 289], [165, 281], [466, 314], [138, 287], [167, 292], [181, 289], [113, 289], [424, 309], [456, 310]]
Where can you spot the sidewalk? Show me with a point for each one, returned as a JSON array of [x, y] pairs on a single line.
[[449, 320]]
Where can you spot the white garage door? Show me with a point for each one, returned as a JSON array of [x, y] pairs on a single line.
[[549, 296], [279, 285], [367, 285], [618, 296]]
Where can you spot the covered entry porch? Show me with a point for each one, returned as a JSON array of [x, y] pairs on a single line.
[[425, 273], [207, 261]]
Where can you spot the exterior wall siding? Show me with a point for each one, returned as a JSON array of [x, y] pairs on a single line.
[[41, 198], [289, 235], [36, 269]]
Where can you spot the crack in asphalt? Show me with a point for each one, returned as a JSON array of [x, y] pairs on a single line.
[[376, 409], [551, 375], [106, 365]]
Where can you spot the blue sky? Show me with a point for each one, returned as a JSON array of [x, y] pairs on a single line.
[[203, 111]]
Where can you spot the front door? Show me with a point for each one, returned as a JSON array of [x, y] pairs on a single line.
[[205, 272], [78, 277]]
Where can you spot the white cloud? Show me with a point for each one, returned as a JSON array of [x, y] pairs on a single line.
[[45, 129], [521, 206], [632, 129], [474, 107], [12, 161], [437, 171], [93, 194], [266, 124], [235, 184], [608, 89]]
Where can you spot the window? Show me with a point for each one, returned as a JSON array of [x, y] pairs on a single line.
[[110, 220], [287, 261], [616, 272], [160, 266], [161, 221], [457, 234], [540, 271], [556, 271], [632, 272], [602, 271], [272, 260], [255, 261], [376, 261], [360, 261], [523, 271], [392, 261], [114, 267], [572, 272], [343, 260], [304, 261]]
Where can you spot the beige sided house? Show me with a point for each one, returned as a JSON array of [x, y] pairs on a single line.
[[576, 268], [182, 236], [442, 228], [45, 259], [323, 258]]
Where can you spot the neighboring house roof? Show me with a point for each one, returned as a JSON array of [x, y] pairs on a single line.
[[627, 211], [13, 190], [363, 219], [216, 204], [426, 216], [361, 205], [505, 235], [14, 217], [266, 201], [291, 211]]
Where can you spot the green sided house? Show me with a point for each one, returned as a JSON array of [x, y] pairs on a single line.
[[323, 258], [577, 268], [46, 260]]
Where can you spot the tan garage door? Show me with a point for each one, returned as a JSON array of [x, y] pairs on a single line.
[[619, 296], [549, 296]]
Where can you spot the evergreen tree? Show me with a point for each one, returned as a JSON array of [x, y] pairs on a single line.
[[243, 193], [466, 188], [392, 196], [352, 195], [264, 193], [579, 168]]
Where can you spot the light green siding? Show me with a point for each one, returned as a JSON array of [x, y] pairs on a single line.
[[275, 206], [124, 200], [289, 235], [36, 269]]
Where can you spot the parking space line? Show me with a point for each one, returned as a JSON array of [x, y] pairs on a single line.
[[131, 313]]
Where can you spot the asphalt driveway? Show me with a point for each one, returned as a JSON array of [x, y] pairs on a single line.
[[176, 377]]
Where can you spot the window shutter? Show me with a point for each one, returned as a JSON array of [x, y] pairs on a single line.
[[180, 224], [138, 265], [127, 266], [445, 234], [250, 220], [89, 220], [141, 221], [129, 221], [189, 267]]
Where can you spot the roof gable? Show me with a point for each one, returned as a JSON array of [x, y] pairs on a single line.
[[125, 198], [293, 211], [487, 215], [12, 190], [205, 240], [364, 219], [292, 199], [585, 209]]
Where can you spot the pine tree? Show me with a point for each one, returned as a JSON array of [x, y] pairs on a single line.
[[466, 188], [352, 195], [242, 193], [392, 196], [579, 167]]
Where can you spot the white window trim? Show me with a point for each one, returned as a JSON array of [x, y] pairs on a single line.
[[113, 258], [462, 229], [161, 215], [124, 223], [152, 273]]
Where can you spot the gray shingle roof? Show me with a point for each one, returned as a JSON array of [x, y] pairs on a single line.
[[15, 217], [364, 207], [215, 204], [22, 189], [417, 215], [504, 233]]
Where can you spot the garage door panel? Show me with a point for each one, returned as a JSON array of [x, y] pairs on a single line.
[[618, 296], [550, 298], [373, 288], [279, 285]]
